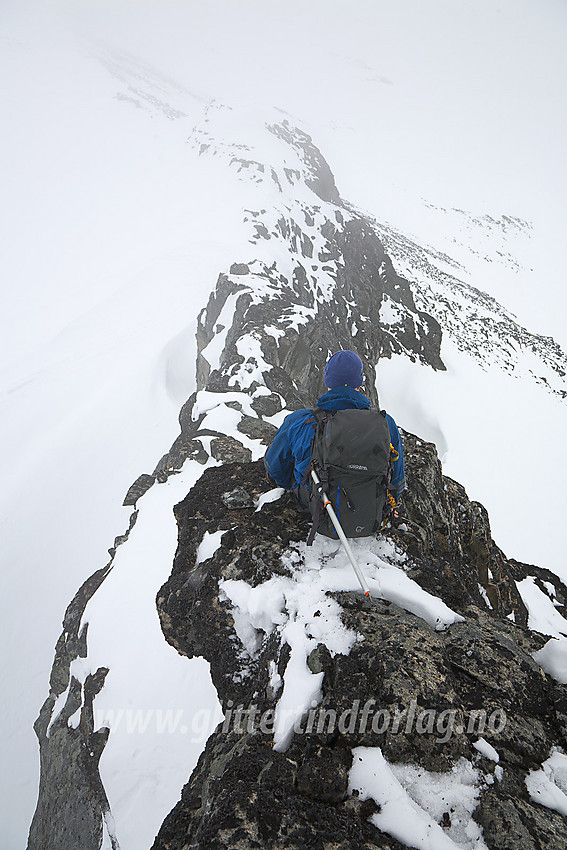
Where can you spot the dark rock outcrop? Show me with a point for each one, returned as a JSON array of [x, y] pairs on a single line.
[[72, 800], [243, 793], [475, 322]]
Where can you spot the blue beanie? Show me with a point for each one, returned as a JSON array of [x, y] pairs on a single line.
[[344, 367]]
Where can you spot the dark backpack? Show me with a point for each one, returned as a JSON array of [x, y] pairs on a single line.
[[350, 453]]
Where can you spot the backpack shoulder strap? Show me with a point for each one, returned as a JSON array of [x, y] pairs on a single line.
[[318, 419], [394, 455], [319, 415]]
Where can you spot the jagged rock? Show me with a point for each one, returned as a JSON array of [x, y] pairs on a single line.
[[122, 538], [259, 808], [256, 429], [338, 302], [267, 405], [473, 319], [441, 520], [264, 781], [511, 821], [237, 499], [229, 450], [323, 774], [365, 277], [69, 764], [320, 177], [401, 661], [140, 486], [69, 755], [479, 673], [184, 448], [348, 296]]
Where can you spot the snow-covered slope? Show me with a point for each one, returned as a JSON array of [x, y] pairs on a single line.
[[116, 230], [107, 262]]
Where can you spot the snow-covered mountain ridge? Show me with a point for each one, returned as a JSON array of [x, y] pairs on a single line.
[[313, 277], [474, 320], [115, 232], [311, 236]]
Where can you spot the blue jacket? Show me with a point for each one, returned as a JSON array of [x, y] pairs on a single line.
[[290, 452]]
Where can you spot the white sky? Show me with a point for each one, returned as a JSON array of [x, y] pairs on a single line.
[[460, 102]]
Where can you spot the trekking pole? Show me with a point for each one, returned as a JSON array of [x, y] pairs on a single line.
[[340, 532]]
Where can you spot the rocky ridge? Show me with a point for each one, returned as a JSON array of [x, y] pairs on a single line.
[[475, 322], [336, 253], [322, 279], [317, 278], [247, 793]]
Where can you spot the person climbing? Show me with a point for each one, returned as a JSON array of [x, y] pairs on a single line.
[[287, 460]]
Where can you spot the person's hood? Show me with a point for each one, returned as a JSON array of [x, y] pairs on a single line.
[[342, 398]]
